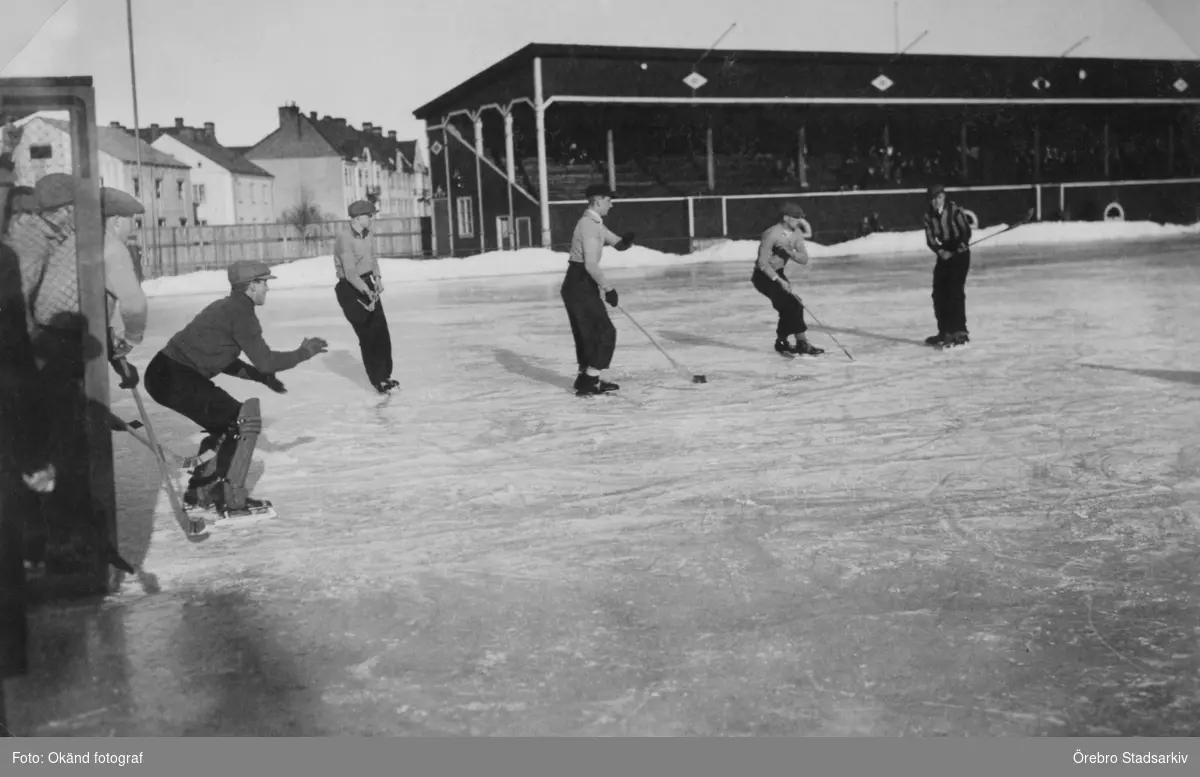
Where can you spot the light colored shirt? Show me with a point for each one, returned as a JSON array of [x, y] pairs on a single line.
[[354, 255], [130, 311], [587, 244], [790, 240]]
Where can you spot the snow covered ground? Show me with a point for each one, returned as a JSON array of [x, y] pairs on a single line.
[[316, 272], [775, 551]]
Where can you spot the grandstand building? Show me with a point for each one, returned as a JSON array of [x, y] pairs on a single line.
[[701, 147]]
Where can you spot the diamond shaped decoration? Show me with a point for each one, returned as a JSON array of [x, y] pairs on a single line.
[[695, 80], [436, 148], [1180, 85], [1041, 83], [882, 82]]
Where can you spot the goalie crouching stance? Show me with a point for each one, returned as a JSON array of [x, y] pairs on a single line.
[[180, 377]]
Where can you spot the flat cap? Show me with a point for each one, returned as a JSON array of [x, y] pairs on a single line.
[[114, 202], [245, 272], [791, 208], [361, 208], [599, 190], [54, 191], [934, 191]]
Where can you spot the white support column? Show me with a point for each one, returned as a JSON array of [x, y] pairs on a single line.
[[724, 217], [539, 110], [511, 172], [477, 118], [712, 161], [691, 220]]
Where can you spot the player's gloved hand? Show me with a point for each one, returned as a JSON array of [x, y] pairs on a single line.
[[274, 383], [781, 252], [128, 373], [944, 254], [313, 346], [626, 241], [610, 297]]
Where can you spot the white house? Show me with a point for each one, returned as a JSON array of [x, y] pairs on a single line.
[[45, 147], [226, 187]]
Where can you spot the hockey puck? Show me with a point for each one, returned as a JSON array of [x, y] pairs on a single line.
[[699, 379]]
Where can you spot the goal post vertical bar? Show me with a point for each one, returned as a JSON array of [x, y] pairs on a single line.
[[89, 235]]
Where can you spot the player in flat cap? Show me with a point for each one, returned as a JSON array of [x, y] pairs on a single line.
[[129, 308], [781, 243], [591, 328], [359, 293], [180, 377]]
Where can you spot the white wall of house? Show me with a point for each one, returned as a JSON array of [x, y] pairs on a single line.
[[222, 197], [255, 199]]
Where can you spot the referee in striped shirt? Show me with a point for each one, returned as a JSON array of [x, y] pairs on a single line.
[[948, 235]]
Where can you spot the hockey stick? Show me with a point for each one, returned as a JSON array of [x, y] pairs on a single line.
[[179, 462], [683, 371], [193, 527], [1028, 218], [831, 337]]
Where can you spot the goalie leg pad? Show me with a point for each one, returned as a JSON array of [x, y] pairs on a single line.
[[244, 437]]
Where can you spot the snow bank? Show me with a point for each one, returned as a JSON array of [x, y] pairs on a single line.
[[318, 271]]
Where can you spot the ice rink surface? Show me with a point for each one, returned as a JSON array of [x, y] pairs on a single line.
[[998, 540]]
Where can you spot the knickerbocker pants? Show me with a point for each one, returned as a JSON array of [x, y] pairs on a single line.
[[594, 333]]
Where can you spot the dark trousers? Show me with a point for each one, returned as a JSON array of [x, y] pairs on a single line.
[[371, 327], [593, 331], [949, 293], [791, 312], [197, 398]]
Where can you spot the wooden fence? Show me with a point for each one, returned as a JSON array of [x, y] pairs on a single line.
[[179, 250]]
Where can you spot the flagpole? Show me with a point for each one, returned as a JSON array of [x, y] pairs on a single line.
[[137, 133]]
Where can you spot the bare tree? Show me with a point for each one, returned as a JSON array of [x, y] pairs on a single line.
[[304, 213]]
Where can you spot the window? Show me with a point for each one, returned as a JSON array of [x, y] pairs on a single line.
[[253, 194], [137, 187], [179, 187], [162, 222], [183, 221], [101, 181], [158, 188], [466, 217], [138, 221], [198, 193], [41, 152]]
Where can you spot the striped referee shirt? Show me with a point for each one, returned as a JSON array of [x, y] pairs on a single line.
[[948, 230]]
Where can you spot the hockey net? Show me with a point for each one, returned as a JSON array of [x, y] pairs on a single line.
[[55, 328]]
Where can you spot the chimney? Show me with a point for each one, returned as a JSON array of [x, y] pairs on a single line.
[[391, 134], [178, 123], [115, 125], [312, 115], [327, 117], [367, 127], [210, 131], [153, 132], [288, 115], [377, 131], [340, 122]]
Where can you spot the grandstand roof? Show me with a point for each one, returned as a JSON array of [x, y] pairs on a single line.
[[627, 74]]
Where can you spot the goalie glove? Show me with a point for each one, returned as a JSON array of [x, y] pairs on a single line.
[[626, 241]]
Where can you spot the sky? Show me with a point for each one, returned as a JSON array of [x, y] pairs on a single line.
[[234, 62]]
